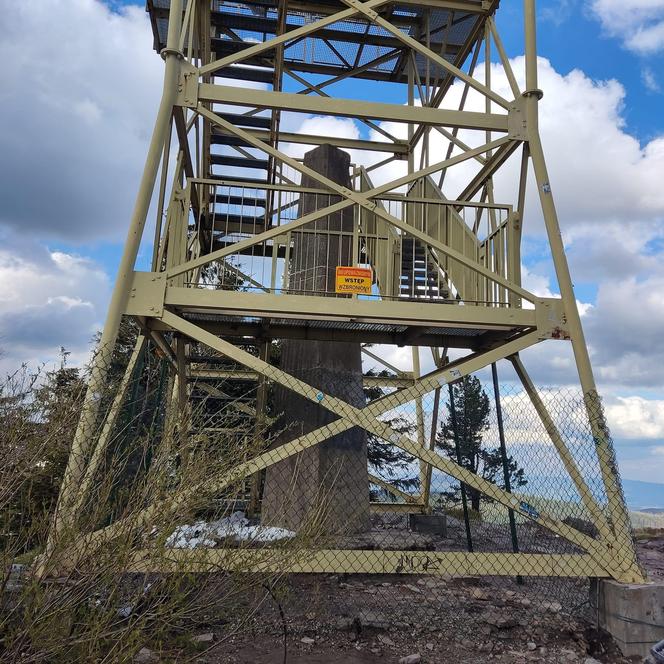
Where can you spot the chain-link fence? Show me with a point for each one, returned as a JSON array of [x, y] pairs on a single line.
[[366, 493]]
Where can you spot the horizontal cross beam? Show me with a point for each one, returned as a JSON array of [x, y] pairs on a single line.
[[335, 561], [345, 309], [353, 108]]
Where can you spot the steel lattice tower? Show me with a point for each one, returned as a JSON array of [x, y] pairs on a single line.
[[230, 196]]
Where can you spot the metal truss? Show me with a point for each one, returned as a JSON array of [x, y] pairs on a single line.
[[472, 300]]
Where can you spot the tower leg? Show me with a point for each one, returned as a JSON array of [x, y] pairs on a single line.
[[64, 514], [616, 504]]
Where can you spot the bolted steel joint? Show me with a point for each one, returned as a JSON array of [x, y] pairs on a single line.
[[165, 52]]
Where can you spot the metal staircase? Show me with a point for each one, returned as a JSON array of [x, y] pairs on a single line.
[[421, 278]]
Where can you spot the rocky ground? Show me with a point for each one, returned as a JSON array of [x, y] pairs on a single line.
[[406, 619], [651, 555], [360, 620], [468, 620]]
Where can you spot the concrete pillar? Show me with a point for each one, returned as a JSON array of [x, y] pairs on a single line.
[[633, 613], [330, 479]]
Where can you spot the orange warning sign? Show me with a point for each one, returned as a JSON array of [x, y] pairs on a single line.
[[353, 280]]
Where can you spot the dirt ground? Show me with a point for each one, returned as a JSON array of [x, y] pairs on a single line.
[[471, 621], [360, 620]]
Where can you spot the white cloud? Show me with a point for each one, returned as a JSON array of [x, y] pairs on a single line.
[[650, 80], [537, 284], [79, 95], [48, 300], [625, 332], [599, 173], [636, 418], [320, 126], [638, 23]]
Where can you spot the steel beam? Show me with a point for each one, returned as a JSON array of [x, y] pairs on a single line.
[[287, 101], [360, 311], [335, 561]]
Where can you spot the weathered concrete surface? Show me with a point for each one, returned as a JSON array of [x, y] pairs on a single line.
[[435, 524], [632, 613], [332, 476]]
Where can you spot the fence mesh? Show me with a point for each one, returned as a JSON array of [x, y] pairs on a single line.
[[243, 471]]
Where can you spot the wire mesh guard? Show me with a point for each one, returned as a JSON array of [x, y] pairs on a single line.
[[231, 470]]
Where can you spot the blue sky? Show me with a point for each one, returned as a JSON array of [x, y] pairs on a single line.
[[572, 36], [78, 107]]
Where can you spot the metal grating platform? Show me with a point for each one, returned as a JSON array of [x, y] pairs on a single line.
[[263, 327], [356, 41]]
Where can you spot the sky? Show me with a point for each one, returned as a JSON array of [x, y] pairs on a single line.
[[79, 95]]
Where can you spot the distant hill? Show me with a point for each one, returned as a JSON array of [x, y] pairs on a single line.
[[644, 496], [640, 496]]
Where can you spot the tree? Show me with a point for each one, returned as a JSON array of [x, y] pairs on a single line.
[[386, 460], [38, 416], [472, 410]]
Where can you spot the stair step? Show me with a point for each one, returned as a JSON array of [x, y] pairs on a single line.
[[248, 201], [420, 280], [255, 74], [235, 223], [225, 139], [420, 272], [257, 121], [238, 162], [258, 182], [228, 46], [263, 249], [418, 286]]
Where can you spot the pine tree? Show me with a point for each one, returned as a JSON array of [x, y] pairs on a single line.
[[386, 460], [472, 409]]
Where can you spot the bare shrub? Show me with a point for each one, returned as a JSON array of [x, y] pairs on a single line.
[[114, 582]]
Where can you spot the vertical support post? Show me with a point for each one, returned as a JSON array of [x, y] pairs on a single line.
[[183, 400], [170, 410], [205, 56], [182, 421], [516, 226], [161, 201], [464, 498], [98, 376], [419, 415], [616, 503], [261, 404], [426, 496], [411, 102], [503, 458]]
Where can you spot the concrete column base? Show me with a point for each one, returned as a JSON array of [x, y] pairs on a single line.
[[633, 613], [433, 524]]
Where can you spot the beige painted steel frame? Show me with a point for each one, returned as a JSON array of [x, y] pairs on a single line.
[[188, 96]]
